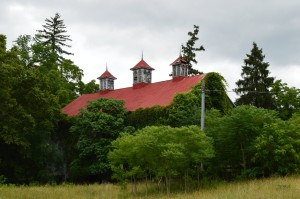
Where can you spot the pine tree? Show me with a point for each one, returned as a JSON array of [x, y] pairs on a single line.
[[189, 51], [254, 87], [54, 35]]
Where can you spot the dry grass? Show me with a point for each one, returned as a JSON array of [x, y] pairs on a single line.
[[275, 188]]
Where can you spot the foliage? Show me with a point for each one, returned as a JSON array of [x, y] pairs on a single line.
[[234, 135], [28, 116], [161, 151], [95, 128], [35, 86], [142, 117], [286, 99], [185, 108], [254, 87], [277, 149], [90, 87], [216, 96], [189, 51]]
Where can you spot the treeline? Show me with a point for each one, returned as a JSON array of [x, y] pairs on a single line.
[[257, 136], [36, 82]]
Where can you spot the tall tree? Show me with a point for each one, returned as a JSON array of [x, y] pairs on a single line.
[[254, 87], [28, 114], [54, 35], [189, 50]]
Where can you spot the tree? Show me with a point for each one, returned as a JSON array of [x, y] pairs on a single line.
[[54, 35], [254, 87], [90, 87], [234, 135], [28, 116], [12, 114], [24, 48], [161, 151], [96, 127], [276, 149], [286, 99], [189, 50]]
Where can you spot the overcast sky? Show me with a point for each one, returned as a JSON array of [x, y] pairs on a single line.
[[117, 31]]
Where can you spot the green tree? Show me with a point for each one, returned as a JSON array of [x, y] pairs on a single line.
[[185, 109], [161, 151], [66, 76], [276, 149], [53, 35], [28, 115], [96, 127], [189, 50], [90, 87], [286, 99], [11, 111], [24, 48], [254, 87], [234, 135]]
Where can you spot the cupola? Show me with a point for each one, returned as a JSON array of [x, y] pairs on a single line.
[[106, 81], [180, 67], [142, 72]]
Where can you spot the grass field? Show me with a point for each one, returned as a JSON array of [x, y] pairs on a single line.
[[275, 188]]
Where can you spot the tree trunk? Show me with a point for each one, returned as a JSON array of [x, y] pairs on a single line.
[[135, 188], [146, 185], [168, 185], [243, 157], [186, 183], [198, 177]]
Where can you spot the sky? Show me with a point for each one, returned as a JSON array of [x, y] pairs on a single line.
[[114, 33]]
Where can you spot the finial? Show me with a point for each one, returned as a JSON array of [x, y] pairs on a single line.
[[106, 66], [180, 49], [142, 55]]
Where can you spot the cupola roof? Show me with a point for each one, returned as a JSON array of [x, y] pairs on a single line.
[[142, 64], [179, 60], [106, 74]]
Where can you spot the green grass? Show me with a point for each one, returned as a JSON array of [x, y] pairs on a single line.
[[274, 188]]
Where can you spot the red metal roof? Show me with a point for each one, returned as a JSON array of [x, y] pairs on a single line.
[[142, 64], [106, 74], [148, 95], [180, 59]]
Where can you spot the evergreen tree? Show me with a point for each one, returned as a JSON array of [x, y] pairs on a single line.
[[54, 35], [254, 87], [189, 51]]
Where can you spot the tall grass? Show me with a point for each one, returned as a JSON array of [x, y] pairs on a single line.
[[274, 188]]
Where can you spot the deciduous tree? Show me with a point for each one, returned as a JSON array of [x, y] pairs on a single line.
[[234, 135], [96, 127], [286, 99], [161, 151]]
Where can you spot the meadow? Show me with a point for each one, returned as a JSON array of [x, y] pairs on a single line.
[[273, 188]]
